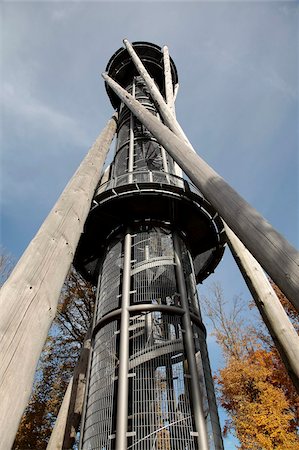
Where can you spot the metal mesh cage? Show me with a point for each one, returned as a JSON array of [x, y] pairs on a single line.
[[160, 414], [147, 155], [149, 357], [121, 163], [153, 271], [98, 431], [109, 286], [160, 409], [123, 134]]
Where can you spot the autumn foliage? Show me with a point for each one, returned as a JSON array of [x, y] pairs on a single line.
[[254, 387], [259, 409]]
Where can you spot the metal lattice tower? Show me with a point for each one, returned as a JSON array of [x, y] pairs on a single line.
[[149, 238]]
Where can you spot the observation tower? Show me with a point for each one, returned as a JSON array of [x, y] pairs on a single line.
[[150, 237], [145, 236]]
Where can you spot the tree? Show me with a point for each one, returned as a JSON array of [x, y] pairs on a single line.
[[57, 362], [282, 378], [260, 412], [254, 387], [229, 324]]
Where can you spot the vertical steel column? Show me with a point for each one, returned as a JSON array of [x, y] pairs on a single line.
[[190, 351], [165, 164], [215, 423], [122, 395], [131, 144], [212, 402], [164, 159]]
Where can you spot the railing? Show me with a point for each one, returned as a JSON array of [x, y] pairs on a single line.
[[147, 176]]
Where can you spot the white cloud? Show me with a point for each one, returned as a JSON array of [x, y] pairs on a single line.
[[22, 105]]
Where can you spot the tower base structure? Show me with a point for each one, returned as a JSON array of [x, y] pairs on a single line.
[[149, 239]]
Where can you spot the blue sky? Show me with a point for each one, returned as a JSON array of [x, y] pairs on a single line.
[[238, 101]]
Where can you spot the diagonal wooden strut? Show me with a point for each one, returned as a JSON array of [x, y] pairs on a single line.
[[164, 110], [69, 417], [28, 299], [168, 81], [278, 258], [273, 314], [170, 96], [270, 248]]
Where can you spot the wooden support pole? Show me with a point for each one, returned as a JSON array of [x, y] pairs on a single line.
[[77, 395], [170, 97], [284, 335], [155, 93], [277, 257], [57, 435], [168, 80], [68, 420], [28, 299], [280, 327], [176, 89]]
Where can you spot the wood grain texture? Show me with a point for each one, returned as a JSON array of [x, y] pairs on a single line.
[[155, 93], [168, 80], [279, 325], [28, 300], [274, 253], [170, 100], [56, 439], [77, 395], [68, 420]]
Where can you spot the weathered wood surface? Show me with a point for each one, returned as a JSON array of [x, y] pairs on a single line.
[[277, 257], [68, 420], [176, 90], [56, 439], [283, 333], [155, 93], [28, 299], [168, 80], [170, 101], [77, 395], [279, 325]]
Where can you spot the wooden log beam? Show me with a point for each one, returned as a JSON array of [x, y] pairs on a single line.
[[68, 420], [77, 395], [168, 80], [284, 336], [279, 325], [277, 257], [56, 439], [176, 90], [155, 93], [28, 299], [170, 97]]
